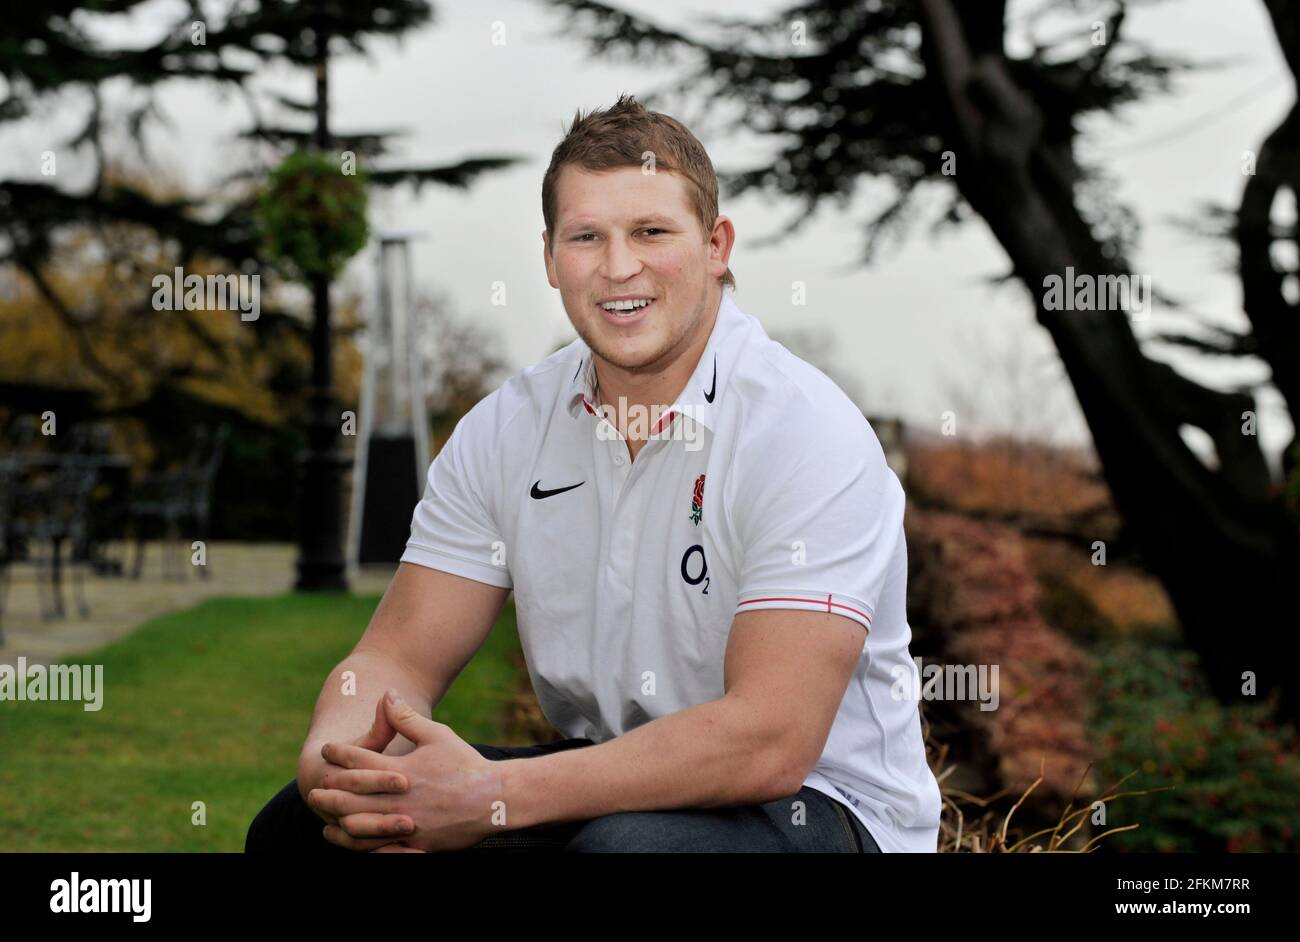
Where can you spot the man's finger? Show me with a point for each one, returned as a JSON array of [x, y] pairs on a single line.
[[338, 803], [396, 849], [354, 757], [369, 824], [365, 781], [325, 815], [336, 835]]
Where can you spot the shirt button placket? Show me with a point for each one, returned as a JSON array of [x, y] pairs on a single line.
[[622, 464], [621, 533]]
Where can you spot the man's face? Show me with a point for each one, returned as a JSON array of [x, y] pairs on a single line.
[[623, 233]]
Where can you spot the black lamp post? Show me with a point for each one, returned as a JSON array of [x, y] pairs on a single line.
[[320, 527]]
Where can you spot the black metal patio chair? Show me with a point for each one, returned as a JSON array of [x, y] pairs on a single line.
[[9, 471], [176, 497], [47, 506]]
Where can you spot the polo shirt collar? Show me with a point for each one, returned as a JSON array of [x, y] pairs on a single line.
[[582, 390], [699, 398]]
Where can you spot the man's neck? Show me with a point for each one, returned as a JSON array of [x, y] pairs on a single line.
[[653, 391]]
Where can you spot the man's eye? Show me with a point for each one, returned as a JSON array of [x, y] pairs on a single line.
[[582, 236]]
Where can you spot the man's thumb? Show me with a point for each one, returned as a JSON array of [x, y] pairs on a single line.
[[381, 731], [412, 725]]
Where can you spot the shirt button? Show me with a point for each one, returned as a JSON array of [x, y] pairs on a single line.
[[619, 460]]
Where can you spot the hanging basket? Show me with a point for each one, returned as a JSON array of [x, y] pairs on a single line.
[[312, 215]]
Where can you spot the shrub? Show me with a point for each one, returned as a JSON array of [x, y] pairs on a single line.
[[1235, 772]]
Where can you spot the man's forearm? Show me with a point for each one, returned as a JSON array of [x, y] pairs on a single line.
[[341, 716], [715, 754]]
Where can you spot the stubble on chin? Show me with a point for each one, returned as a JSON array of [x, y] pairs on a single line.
[[652, 362], [640, 363]]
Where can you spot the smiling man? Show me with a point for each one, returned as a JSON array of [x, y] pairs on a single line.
[[713, 629]]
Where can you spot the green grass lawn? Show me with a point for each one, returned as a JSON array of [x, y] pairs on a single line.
[[208, 705]]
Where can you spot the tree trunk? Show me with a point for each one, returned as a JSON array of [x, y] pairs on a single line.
[[1220, 539], [1274, 320]]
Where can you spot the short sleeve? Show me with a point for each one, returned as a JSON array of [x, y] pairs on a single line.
[[820, 516], [453, 528]]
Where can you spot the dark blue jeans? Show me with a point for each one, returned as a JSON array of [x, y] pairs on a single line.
[[823, 825]]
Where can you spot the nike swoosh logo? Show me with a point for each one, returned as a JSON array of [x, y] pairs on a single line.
[[538, 494], [713, 390]]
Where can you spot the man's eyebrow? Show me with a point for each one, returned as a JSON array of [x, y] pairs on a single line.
[[640, 221]]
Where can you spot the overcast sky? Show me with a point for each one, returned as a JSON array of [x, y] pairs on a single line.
[[910, 333]]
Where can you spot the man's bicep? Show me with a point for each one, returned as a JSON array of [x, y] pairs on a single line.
[[793, 668], [432, 622]]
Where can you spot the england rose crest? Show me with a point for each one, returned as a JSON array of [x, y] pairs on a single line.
[[697, 501]]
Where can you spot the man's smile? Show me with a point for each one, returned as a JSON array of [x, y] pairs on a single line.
[[626, 310]]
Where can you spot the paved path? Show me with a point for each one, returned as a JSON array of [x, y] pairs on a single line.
[[119, 605]]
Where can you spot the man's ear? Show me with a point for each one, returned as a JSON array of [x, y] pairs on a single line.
[[547, 260], [722, 241]]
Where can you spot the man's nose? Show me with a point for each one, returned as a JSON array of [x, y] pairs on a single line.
[[621, 261]]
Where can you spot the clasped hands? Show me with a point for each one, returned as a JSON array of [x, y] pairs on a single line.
[[439, 796]]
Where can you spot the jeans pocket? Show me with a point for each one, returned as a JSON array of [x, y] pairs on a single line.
[[855, 842]]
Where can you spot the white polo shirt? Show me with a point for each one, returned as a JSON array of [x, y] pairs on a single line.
[[765, 488]]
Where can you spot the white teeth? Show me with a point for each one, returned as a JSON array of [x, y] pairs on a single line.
[[631, 305]]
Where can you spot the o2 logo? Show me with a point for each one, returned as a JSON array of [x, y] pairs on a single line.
[[688, 564]]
